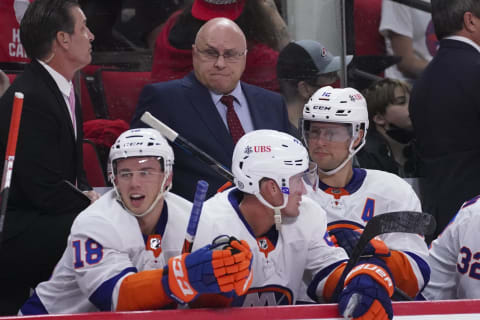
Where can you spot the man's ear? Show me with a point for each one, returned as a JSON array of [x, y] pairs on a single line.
[[63, 39], [358, 141], [270, 190], [469, 23], [304, 90], [169, 180]]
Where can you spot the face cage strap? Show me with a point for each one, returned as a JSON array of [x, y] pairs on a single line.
[[351, 153], [154, 203], [277, 214]]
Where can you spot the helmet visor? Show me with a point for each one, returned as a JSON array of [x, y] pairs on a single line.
[[327, 131]]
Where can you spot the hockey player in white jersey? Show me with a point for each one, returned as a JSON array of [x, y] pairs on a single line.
[[123, 252], [455, 257], [285, 230], [334, 128]]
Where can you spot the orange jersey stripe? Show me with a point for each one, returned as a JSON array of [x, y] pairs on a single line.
[[142, 291], [332, 281], [403, 274]]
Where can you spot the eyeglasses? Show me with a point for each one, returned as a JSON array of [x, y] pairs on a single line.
[[147, 175], [213, 55], [331, 134]]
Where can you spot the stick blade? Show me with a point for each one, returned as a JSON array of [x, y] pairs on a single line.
[[401, 221]]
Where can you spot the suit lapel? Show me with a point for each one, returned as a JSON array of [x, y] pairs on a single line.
[[255, 105], [201, 101], [52, 85]]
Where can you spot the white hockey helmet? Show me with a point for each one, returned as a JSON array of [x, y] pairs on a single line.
[[336, 105], [142, 142], [268, 154]]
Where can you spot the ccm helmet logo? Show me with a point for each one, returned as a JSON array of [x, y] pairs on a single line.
[[321, 108]]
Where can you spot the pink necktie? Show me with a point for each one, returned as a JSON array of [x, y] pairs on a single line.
[[71, 101], [234, 125]]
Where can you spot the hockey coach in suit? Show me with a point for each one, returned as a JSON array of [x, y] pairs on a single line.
[[48, 173], [445, 112], [211, 107]]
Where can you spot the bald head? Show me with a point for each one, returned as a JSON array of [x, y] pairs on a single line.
[[220, 25], [219, 55]]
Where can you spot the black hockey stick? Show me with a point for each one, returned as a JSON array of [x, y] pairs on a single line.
[[183, 143], [399, 221]]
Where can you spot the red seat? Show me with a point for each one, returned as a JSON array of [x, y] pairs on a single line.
[[11, 76], [92, 165], [121, 90]]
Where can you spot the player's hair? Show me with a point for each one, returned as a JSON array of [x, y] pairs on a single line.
[[41, 22], [447, 15], [381, 94]]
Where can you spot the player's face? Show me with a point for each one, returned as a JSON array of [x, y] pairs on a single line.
[[219, 58], [297, 190], [328, 143], [138, 181], [79, 51]]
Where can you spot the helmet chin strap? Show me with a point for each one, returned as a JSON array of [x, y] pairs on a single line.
[[277, 216], [159, 196]]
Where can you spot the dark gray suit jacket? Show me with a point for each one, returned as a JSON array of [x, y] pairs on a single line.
[[42, 203], [445, 111]]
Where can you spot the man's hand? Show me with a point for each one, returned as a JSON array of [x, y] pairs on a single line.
[[347, 236], [367, 292], [209, 271]]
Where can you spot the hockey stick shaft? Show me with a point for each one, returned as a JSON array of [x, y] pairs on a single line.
[[174, 137], [400, 221], [10, 155], [200, 193]]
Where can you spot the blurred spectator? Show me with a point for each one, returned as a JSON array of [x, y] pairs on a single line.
[[389, 139], [11, 50], [260, 21], [101, 17], [408, 33], [140, 21], [303, 67], [4, 83], [445, 109]]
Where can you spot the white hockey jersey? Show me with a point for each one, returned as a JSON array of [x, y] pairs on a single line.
[[455, 257], [279, 258], [104, 246], [374, 192]]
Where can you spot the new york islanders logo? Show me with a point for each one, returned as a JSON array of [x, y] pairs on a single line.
[[271, 295]]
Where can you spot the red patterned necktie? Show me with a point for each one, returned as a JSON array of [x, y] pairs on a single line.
[[234, 125]]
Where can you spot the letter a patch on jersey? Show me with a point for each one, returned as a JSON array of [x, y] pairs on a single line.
[[154, 243]]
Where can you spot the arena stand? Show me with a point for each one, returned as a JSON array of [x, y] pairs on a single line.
[[425, 310]]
